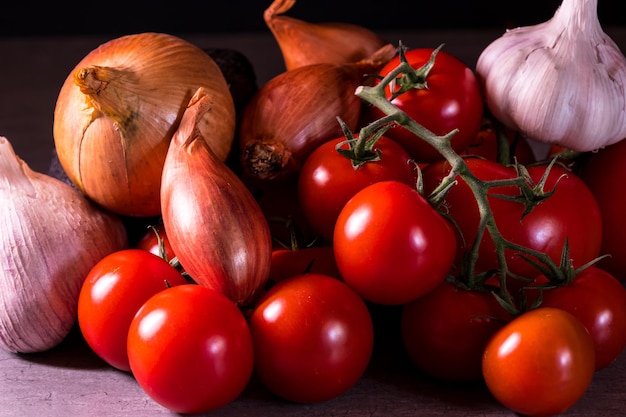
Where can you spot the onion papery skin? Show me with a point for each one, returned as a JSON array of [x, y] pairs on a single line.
[[119, 107], [51, 238], [297, 110], [215, 226], [304, 43]]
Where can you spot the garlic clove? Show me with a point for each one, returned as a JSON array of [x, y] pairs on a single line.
[[51, 237], [562, 81]]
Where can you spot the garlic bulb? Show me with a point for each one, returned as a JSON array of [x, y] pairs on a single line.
[[562, 81], [51, 237]]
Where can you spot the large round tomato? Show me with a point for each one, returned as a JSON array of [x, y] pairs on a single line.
[[605, 175], [190, 349], [540, 363], [391, 245], [328, 179], [451, 100], [113, 291], [445, 331], [571, 213], [598, 300], [313, 338]]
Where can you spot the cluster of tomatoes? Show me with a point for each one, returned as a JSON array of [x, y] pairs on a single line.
[[356, 228]]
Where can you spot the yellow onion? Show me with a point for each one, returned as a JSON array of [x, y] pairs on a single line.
[[304, 43], [214, 225], [118, 109], [297, 110], [51, 238]]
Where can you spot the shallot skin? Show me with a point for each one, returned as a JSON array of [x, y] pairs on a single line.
[[304, 43], [215, 226], [297, 110]]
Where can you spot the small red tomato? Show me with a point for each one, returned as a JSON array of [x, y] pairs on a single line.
[[313, 338], [445, 331], [485, 144], [150, 242], [287, 263], [115, 288], [598, 300], [451, 100], [328, 179], [391, 245], [190, 349], [605, 175], [540, 363]]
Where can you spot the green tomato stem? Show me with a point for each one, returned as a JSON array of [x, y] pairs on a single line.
[[375, 95]]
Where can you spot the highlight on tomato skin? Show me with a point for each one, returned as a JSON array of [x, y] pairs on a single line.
[[115, 288], [313, 338], [190, 349], [535, 375], [391, 246]]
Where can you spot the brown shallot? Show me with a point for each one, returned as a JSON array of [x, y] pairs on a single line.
[[297, 110], [215, 226], [51, 238], [304, 43], [118, 109]]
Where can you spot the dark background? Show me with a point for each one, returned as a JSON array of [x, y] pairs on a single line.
[[210, 16]]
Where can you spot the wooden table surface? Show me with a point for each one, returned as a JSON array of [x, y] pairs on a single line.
[[71, 381]]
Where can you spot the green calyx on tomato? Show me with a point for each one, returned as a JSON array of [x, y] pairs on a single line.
[[517, 251]]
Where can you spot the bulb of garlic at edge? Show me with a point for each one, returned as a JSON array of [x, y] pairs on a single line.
[[50, 238], [562, 81]]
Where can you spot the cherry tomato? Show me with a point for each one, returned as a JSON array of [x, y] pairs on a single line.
[[287, 263], [328, 179], [445, 332], [278, 199], [190, 349], [150, 242], [598, 300], [115, 288], [570, 213], [391, 245], [313, 338], [452, 100], [540, 363], [485, 144], [605, 175]]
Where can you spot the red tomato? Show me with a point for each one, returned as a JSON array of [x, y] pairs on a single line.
[[391, 245], [278, 199], [190, 349], [605, 175], [485, 144], [570, 213], [313, 338], [328, 179], [536, 375], [598, 300], [287, 263], [451, 100], [150, 242], [446, 331], [115, 288]]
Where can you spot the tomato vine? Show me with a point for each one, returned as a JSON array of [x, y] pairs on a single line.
[[531, 193]]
